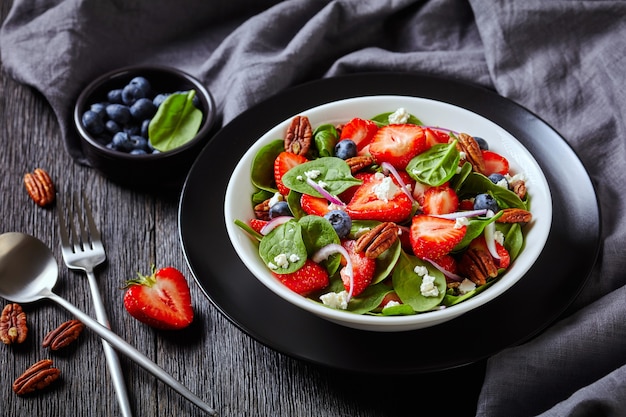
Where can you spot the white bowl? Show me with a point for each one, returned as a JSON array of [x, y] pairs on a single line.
[[237, 204]]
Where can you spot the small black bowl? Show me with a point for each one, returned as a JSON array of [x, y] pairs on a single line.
[[153, 171]]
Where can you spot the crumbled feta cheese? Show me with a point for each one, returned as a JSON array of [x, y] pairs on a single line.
[[275, 199], [460, 222], [462, 155], [294, 258], [300, 178], [333, 206], [399, 116], [420, 270], [466, 286], [517, 177], [281, 260], [272, 265], [503, 183], [322, 184], [386, 189], [335, 299], [499, 237], [428, 288], [391, 303], [379, 175], [314, 173], [416, 172]]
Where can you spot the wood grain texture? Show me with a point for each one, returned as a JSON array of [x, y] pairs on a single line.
[[213, 358]]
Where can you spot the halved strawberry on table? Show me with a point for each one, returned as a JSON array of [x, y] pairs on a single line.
[[360, 131], [161, 300], [283, 163], [310, 278], [432, 237], [363, 269], [397, 144], [379, 198]]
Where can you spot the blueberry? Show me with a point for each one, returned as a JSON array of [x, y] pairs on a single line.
[[115, 96], [132, 129], [112, 127], [340, 221], [122, 142], [132, 93], [482, 143], [138, 152], [142, 84], [119, 113], [143, 109], [486, 201], [139, 142], [345, 149], [281, 208], [145, 128], [496, 178], [100, 109], [92, 122], [160, 98]]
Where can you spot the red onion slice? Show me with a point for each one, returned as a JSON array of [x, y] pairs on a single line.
[[331, 249], [457, 214], [386, 166], [490, 239], [328, 196], [274, 223], [444, 271]]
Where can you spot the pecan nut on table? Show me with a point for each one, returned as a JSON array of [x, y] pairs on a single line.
[[13, 327]]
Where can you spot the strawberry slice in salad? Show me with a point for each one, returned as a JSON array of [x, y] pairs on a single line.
[[405, 233]]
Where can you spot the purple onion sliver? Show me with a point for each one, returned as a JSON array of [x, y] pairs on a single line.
[[388, 167], [333, 248], [442, 129], [444, 271], [331, 198], [457, 214], [274, 223]]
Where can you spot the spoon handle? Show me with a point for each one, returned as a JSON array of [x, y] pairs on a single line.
[[125, 348]]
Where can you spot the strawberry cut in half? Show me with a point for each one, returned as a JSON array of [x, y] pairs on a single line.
[[360, 131], [161, 300], [435, 136], [397, 144], [283, 163], [317, 206], [310, 278], [363, 269], [367, 204], [495, 163], [432, 237], [440, 200]]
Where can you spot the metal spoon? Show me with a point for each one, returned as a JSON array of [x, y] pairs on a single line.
[[28, 272]]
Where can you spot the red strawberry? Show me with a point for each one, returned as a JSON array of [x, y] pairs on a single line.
[[363, 269], [160, 300], [433, 237], [366, 205], [440, 200], [435, 136], [466, 204], [283, 163], [360, 131], [311, 277], [398, 144], [317, 206], [505, 258], [495, 163], [448, 263], [419, 189], [391, 296], [257, 224]]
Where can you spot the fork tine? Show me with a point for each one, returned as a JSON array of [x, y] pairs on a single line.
[[84, 236], [93, 229], [65, 239]]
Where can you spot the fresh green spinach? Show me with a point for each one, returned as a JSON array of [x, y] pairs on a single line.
[[262, 170], [325, 138], [175, 123], [285, 240], [333, 172], [407, 283], [436, 165]]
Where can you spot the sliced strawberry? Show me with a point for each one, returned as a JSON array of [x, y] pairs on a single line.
[[310, 278], [466, 204], [397, 144], [363, 269], [495, 163], [433, 237], [161, 300], [360, 131], [419, 189], [440, 200], [283, 163], [435, 136], [505, 258], [317, 206], [448, 263], [372, 202], [257, 224]]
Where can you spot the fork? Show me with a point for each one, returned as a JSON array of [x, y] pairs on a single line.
[[83, 249]]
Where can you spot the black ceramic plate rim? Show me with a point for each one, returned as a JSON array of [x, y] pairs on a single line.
[[514, 317]]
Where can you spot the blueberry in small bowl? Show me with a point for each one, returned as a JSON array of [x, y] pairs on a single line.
[[143, 126]]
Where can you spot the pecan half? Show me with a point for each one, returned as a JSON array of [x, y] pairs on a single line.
[[519, 188], [473, 154], [377, 240], [37, 377], [299, 136], [478, 266], [515, 215], [262, 210], [13, 328], [39, 187], [357, 163], [63, 335]]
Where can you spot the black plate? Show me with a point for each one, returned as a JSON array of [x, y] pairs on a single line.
[[524, 310]]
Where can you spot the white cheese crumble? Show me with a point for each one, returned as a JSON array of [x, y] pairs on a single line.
[[466, 286], [335, 299], [399, 116], [293, 258], [499, 237], [281, 260], [322, 184], [314, 173], [517, 177], [462, 155], [391, 303], [503, 183], [275, 199], [428, 288], [420, 270], [300, 178], [272, 265], [386, 189], [460, 222]]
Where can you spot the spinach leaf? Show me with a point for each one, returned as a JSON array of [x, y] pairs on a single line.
[[317, 232], [293, 200], [407, 283], [260, 196], [450, 299], [476, 183], [399, 310], [383, 119], [386, 261], [325, 138], [333, 172], [262, 171], [513, 238], [457, 180], [285, 240], [436, 165], [475, 227], [175, 123], [369, 299]]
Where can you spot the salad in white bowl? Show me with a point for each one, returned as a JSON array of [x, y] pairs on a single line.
[[388, 213]]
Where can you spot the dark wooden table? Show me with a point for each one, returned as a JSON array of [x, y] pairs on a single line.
[[213, 358]]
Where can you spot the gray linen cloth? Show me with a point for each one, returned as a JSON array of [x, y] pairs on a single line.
[[564, 60]]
